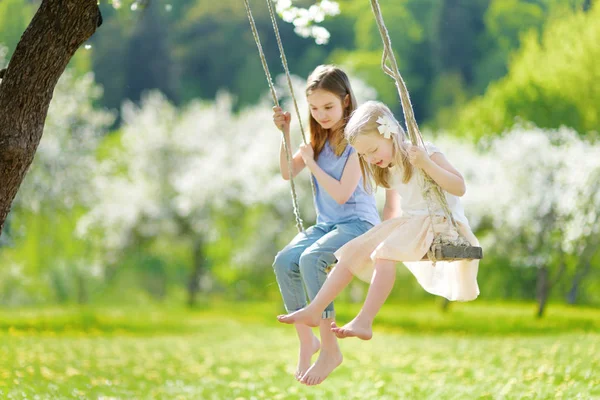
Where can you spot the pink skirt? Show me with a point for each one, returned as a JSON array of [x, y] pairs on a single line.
[[407, 239]]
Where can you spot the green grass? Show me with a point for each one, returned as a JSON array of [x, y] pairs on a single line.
[[476, 351], [478, 318]]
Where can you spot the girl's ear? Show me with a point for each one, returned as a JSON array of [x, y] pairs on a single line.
[[346, 101]]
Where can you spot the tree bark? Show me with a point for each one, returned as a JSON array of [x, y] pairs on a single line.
[[581, 273], [198, 266], [584, 265], [82, 293], [57, 30], [543, 290]]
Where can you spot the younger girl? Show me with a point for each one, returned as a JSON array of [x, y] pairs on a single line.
[[344, 211], [390, 160]]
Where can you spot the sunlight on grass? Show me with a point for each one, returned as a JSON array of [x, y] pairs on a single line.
[[234, 359]]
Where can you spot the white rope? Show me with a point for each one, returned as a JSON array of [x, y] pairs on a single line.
[[432, 192], [288, 155]]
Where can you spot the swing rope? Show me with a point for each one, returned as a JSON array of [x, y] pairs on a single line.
[[432, 192], [289, 80], [299, 224], [285, 65]]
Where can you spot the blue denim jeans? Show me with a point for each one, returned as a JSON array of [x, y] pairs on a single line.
[[302, 266]]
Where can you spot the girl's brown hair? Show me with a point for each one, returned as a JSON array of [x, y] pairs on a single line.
[[331, 79]]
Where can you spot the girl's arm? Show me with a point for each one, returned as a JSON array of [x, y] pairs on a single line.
[[391, 209], [445, 175], [297, 161], [282, 122], [340, 190]]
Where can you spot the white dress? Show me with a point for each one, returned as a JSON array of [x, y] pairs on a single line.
[[408, 238]]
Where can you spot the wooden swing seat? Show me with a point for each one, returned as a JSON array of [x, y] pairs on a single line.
[[449, 252]]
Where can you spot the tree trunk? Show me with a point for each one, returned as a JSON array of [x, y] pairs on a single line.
[[57, 30], [543, 289], [194, 283], [82, 294], [581, 273]]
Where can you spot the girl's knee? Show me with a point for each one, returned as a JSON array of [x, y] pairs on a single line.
[[308, 260], [283, 262], [385, 265], [311, 260]]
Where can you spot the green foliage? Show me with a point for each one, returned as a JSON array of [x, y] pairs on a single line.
[[15, 15], [448, 52], [459, 22], [551, 82], [215, 49], [367, 65], [149, 41], [408, 25], [46, 261], [505, 20]]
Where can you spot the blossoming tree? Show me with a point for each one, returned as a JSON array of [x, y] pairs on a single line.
[[539, 192]]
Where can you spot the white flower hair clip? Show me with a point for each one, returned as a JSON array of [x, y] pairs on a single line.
[[387, 126]]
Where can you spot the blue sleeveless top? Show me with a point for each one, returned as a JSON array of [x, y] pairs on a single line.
[[360, 206]]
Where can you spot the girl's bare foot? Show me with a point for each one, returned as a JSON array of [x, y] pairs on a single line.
[[305, 356], [328, 361], [303, 316], [354, 328]]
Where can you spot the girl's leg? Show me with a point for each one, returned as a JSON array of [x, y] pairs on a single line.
[[291, 286], [314, 264], [330, 356], [309, 345], [310, 315], [381, 286], [323, 289]]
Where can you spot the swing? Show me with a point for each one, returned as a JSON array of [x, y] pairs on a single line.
[[444, 247], [288, 154]]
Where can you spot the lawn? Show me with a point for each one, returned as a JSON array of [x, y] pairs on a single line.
[[476, 351]]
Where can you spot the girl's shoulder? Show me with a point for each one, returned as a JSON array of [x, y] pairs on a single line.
[[335, 148], [328, 154], [432, 148]]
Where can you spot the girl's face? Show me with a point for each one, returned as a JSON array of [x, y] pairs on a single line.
[[375, 149], [326, 108]]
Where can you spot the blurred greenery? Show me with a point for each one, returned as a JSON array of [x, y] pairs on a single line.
[[449, 51], [481, 318], [552, 81], [121, 222], [473, 68]]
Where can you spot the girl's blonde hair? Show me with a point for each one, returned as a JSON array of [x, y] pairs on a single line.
[[363, 121], [332, 79]]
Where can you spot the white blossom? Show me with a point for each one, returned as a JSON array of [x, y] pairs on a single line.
[[537, 185], [306, 20], [65, 159]]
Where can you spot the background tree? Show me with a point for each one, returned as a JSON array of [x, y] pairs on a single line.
[[554, 71], [536, 191], [55, 193]]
